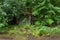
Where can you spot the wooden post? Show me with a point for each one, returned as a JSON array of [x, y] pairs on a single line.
[[29, 18]]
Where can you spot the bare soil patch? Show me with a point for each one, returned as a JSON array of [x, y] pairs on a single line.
[[52, 37], [30, 37]]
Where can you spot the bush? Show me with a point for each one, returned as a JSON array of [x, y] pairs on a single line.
[[42, 12], [8, 10], [46, 13]]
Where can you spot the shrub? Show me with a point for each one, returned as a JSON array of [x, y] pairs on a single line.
[[46, 13], [42, 12], [8, 10]]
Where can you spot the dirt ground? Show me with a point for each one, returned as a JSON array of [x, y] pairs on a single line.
[[30, 37], [52, 37]]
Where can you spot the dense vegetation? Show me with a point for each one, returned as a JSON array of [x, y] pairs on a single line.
[[41, 14]]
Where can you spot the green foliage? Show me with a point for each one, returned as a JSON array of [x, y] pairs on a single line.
[[43, 13], [8, 10], [34, 30], [49, 21], [46, 12]]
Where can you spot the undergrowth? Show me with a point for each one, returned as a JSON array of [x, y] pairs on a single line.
[[35, 30]]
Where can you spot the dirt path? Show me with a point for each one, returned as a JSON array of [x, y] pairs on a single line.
[[52, 37], [5, 38], [30, 37]]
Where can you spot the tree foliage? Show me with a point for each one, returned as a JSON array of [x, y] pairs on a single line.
[[43, 12]]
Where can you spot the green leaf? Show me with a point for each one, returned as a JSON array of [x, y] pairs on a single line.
[[35, 13], [49, 21]]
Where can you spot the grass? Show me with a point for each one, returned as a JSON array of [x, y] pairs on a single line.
[[34, 30], [21, 32]]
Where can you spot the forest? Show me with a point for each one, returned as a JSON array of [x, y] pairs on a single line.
[[29, 17]]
